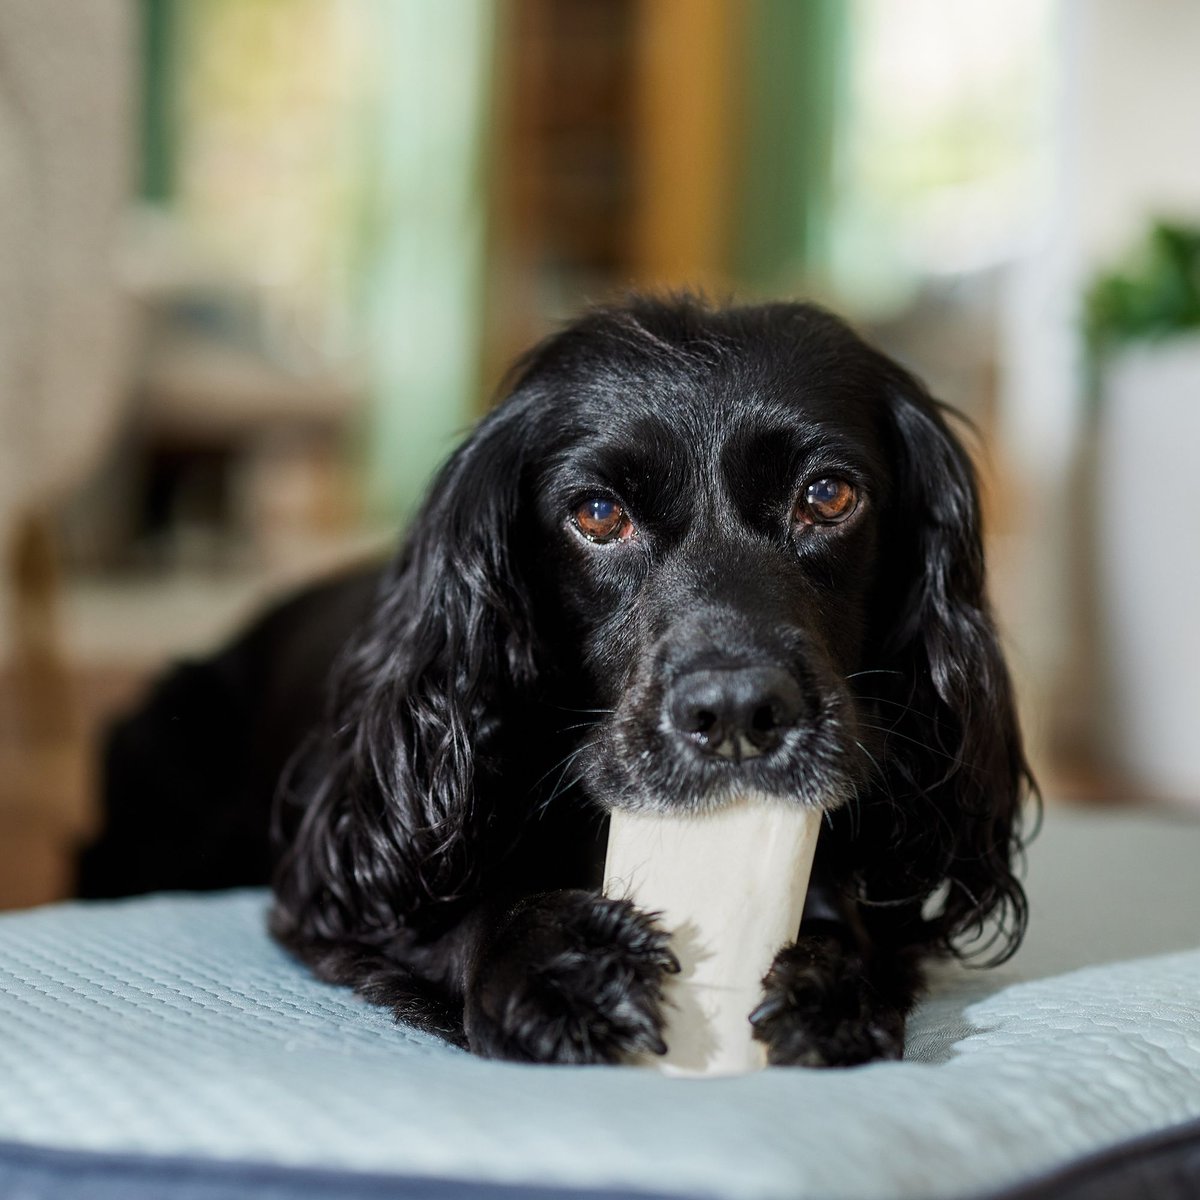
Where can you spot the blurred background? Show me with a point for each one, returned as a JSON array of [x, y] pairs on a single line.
[[263, 261]]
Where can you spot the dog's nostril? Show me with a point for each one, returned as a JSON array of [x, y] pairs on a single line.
[[763, 720], [704, 721]]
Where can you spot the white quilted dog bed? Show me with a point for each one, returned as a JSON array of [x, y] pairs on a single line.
[[166, 1048]]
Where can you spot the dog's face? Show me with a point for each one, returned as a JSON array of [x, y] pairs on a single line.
[[708, 524]]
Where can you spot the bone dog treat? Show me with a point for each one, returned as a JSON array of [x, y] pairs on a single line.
[[730, 885]]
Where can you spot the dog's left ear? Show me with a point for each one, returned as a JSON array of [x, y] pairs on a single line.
[[944, 828]]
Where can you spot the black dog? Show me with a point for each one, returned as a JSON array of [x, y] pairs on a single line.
[[694, 551]]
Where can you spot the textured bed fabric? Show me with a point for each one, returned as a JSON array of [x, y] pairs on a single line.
[[147, 1033]]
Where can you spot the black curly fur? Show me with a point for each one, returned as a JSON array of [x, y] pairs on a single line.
[[829, 1003], [438, 840], [573, 978]]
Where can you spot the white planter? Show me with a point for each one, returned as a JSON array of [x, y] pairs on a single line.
[[1147, 523]]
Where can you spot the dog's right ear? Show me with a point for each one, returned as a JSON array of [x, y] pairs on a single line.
[[392, 800]]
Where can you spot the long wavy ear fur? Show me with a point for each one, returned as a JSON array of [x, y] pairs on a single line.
[[942, 830], [393, 796]]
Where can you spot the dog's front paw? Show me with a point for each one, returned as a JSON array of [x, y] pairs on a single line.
[[572, 978], [820, 1009]]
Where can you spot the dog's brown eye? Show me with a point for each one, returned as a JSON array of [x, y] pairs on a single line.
[[827, 502], [602, 520]]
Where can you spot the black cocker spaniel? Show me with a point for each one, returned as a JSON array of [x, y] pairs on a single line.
[[694, 552]]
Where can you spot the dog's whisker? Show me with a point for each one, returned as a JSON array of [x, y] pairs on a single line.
[[908, 708], [891, 731], [562, 762], [579, 725], [565, 764], [562, 788], [874, 761]]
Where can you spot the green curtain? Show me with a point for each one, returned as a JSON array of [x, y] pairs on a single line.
[[795, 55], [424, 239], [157, 111]]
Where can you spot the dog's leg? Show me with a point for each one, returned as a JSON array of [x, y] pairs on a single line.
[[414, 999], [835, 997], [566, 976]]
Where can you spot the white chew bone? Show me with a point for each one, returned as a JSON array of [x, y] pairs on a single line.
[[730, 885]]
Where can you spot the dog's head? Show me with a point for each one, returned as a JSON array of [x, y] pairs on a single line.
[[709, 514], [694, 553]]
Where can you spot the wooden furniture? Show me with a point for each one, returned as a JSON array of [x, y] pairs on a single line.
[[65, 163], [616, 135]]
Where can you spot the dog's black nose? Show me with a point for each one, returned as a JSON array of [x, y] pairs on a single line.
[[735, 714]]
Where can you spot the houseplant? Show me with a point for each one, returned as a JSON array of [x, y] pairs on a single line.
[[1143, 325]]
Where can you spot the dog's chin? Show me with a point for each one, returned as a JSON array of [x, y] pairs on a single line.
[[654, 774]]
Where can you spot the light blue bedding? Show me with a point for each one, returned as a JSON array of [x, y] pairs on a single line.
[[172, 1027]]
